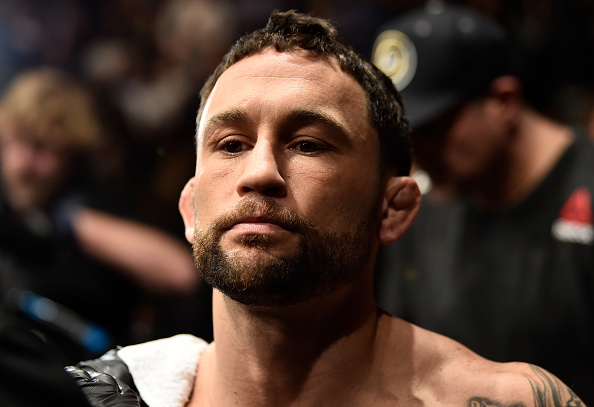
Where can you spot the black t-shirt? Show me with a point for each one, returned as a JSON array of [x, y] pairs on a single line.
[[514, 285]]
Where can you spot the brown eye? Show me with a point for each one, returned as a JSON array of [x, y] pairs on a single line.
[[233, 147], [308, 147]]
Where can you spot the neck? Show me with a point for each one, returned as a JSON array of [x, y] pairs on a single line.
[[285, 356], [536, 145]]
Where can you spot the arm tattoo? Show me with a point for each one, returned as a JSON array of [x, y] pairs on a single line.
[[548, 391], [483, 402]]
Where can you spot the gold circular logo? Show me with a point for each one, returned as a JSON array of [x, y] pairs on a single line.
[[395, 55]]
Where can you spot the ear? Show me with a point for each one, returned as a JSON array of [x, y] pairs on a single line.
[[402, 201], [186, 208]]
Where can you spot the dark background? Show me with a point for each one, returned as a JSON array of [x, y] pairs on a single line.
[[147, 60]]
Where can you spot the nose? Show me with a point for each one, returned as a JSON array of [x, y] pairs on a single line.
[[262, 172]]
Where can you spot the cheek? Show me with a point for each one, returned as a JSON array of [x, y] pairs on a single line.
[[464, 145], [12, 160], [213, 190], [51, 165], [336, 199]]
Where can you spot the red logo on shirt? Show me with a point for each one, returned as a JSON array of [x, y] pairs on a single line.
[[575, 222], [578, 207]]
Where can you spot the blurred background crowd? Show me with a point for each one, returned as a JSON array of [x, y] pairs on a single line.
[[145, 61]]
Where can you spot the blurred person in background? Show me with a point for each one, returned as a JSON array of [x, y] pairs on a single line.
[[148, 60], [501, 256], [65, 262]]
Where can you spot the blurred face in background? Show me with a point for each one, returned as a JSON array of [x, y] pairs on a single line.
[[32, 171], [462, 150]]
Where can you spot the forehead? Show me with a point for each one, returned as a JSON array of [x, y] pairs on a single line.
[[274, 81]]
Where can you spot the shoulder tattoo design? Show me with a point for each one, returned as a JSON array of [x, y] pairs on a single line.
[[548, 391]]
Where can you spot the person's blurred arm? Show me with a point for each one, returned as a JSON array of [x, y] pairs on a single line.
[[150, 257]]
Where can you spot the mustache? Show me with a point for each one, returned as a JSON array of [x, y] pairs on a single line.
[[264, 208]]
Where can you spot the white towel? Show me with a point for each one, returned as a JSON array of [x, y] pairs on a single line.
[[164, 370]]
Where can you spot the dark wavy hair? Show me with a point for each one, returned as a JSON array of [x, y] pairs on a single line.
[[287, 31]]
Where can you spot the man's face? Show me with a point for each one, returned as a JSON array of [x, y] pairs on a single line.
[[32, 172], [462, 150], [287, 186]]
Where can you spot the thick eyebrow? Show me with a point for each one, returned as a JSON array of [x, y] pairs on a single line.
[[304, 117], [233, 116]]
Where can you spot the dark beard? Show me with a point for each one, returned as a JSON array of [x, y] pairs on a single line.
[[323, 263]]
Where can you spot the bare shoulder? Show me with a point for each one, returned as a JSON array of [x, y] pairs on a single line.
[[450, 374]]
